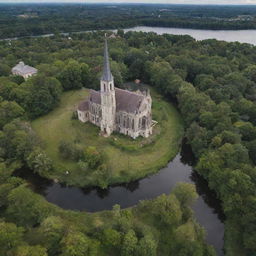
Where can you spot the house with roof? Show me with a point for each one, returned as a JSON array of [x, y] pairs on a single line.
[[114, 109], [23, 70]]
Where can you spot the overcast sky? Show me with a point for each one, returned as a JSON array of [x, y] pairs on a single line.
[[141, 1]]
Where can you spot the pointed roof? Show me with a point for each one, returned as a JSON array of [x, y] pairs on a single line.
[[106, 76]]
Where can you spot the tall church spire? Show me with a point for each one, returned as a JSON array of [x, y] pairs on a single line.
[[106, 76]]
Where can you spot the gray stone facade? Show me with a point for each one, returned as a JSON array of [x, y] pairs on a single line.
[[115, 109]]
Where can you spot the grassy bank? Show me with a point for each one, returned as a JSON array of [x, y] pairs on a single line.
[[126, 159]]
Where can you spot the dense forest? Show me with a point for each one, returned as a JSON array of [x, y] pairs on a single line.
[[36, 19], [214, 84]]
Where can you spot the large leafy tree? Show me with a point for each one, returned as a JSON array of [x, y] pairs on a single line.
[[73, 77], [10, 237], [9, 110]]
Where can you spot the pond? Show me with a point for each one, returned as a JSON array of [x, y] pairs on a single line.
[[207, 208]]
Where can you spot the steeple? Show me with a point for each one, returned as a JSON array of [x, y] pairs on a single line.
[[108, 98], [106, 76]]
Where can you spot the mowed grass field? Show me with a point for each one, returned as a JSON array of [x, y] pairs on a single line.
[[126, 158]]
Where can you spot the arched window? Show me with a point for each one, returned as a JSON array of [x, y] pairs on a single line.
[[104, 87], [133, 124], [144, 122]]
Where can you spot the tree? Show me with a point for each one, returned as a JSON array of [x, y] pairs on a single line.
[[111, 238], [77, 244], [10, 237], [147, 246], [116, 211], [85, 75], [27, 250], [185, 193], [247, 130], [5, 70], [118, 70], [250, 72], [5, 189], [117, 54], [167, 209], [188, 237], [129, 243], [70, 151], [163, 77], [39, 162], [17, 79], [120, 32], [52, 231], [5, 172], [6, 86], [25, 207], [44, 95], [19, 140], [252, 150], [93, 157], [9, 110], [71, 76]]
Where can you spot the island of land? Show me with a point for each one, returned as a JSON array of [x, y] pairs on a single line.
[[127, 159]]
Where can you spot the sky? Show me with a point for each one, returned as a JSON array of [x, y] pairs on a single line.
[[224, 2]]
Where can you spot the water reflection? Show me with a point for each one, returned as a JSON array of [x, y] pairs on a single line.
[[207, 208], [208, 195]]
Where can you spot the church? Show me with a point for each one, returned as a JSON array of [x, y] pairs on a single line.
[[114, 109]]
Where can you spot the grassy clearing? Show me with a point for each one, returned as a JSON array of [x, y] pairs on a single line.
[[127, 159]]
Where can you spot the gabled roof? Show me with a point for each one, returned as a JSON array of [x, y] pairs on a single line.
[[127, 101], [24, 69], [95, 97], [83, 106]]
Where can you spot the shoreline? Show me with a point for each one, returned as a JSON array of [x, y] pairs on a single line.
[[134, 28]]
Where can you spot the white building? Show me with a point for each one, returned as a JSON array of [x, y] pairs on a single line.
[[23, 70], [114, 109]]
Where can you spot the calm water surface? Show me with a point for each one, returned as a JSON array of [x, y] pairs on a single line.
[[242, 36], [207, 208]]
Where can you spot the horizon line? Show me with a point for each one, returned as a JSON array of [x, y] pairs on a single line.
[[120, 3]]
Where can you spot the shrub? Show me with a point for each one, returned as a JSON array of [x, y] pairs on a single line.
[[39, 162], [93, 157], [70, 151]]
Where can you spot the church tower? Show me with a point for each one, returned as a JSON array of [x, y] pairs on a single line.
[[108, 98]]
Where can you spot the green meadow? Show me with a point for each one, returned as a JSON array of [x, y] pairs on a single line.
[[126, 159]]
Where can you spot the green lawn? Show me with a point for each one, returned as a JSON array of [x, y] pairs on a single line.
[[126, 158]]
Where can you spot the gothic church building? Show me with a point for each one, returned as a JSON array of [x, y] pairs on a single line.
[[114, 109]]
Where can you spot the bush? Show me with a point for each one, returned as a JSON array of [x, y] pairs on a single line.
[[74, 116], [70, 151], [39, 162], [93, 157]]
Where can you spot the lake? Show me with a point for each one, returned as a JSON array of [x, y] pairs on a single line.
[[242, 36]]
